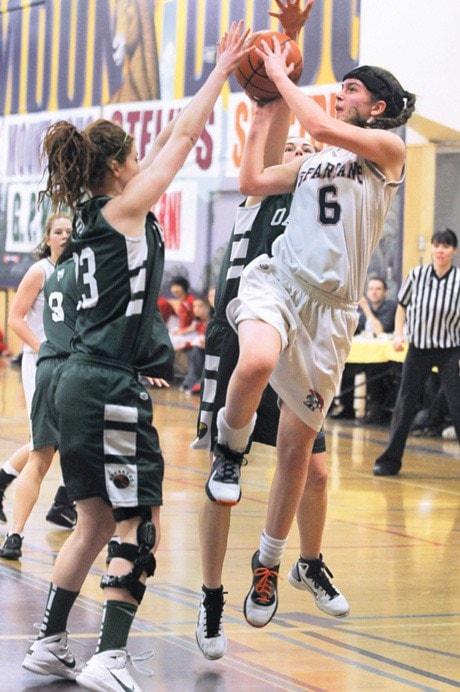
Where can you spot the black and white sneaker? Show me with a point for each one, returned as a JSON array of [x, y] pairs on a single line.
[[223, 484], [12, 546], [108, 671], [64, 516], [313, 576], [51, 656], [209, 632], [262, 600]]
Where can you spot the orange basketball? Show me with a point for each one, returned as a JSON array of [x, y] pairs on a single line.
[[250, 73]]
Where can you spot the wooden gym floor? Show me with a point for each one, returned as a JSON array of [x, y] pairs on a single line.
[[392, 544]]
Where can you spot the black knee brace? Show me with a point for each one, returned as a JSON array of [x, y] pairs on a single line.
[[142, 559]]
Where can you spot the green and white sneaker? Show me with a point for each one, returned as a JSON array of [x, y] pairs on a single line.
[[51, 656], [107, 672]]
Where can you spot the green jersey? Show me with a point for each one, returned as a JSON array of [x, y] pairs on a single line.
[[59, 311], [118, 282], [254, 231]]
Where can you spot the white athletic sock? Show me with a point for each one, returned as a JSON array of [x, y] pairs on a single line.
[[9, 469], [235, 438], [271, 550]]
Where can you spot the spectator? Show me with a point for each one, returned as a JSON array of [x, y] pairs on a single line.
[[429, 307], [377, 316], [180, 288], [195, 348], [166, 309], [181, 326]]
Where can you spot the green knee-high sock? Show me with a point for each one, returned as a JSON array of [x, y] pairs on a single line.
[[117, 618], [58, 607]]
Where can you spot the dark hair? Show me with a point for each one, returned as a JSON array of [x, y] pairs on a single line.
[[400, 104], [378, 278], [77, 160], [180, 281], [446, 237]]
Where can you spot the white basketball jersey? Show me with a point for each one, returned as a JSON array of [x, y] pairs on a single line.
[[336, 220]]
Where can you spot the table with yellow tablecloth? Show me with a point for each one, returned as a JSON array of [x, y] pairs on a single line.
[[365, 350], [378, 349]]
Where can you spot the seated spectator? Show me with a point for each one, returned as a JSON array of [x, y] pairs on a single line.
[[166, 309], [376, 316], [180, 289], [195, 346]]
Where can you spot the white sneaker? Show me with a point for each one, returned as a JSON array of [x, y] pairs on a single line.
[[107, 672], [449, 433], [209, 632], [311, 576], [51, 656], [261, 603], [223, 484]]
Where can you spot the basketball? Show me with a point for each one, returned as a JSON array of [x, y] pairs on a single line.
[[250, 72]]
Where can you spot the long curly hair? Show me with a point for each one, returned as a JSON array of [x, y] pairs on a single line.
[[76, 161]]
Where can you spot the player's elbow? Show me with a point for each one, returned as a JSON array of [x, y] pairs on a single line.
[[249, 187]]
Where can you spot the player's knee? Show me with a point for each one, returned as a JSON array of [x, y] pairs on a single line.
[[255, 367], [141, 557], [317, 478]]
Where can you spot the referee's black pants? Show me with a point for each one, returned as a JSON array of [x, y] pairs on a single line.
[[416, 368]]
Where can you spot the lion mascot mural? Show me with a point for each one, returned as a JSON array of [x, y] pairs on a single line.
[[135, 50]]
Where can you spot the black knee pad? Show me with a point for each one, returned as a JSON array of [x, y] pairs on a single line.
[[142, 559]]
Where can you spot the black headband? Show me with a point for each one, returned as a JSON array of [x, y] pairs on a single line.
[[379, 85]]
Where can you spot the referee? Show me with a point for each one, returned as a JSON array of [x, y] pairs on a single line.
[[429, 307]]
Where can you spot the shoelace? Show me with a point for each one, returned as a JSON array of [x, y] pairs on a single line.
[[321, 581], [264, 585], [229, 463], [137, 658], [213, 616], [229, 471]]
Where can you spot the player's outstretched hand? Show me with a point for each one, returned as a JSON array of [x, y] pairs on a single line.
[[157, 382], [277, 60], [231, 48], [291, 17]]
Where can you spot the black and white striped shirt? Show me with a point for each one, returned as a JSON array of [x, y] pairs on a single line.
[[432, 307]]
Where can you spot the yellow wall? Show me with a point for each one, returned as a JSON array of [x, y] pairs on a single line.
[[418, 205], [6, 298]]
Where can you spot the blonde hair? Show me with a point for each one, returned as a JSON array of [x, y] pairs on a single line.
[[43, 249]]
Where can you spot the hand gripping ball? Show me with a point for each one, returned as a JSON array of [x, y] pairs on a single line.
[[250, 72]]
